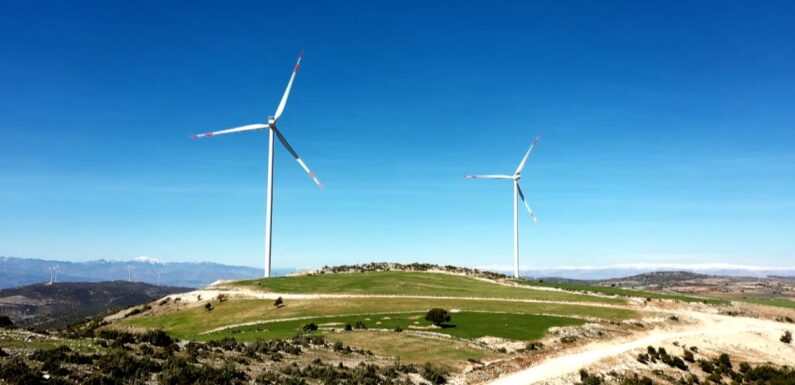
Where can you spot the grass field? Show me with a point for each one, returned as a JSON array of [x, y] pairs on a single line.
[[411, 283], [778, 302], [414, 349], [623, 292], [468, 325], [189, 323]]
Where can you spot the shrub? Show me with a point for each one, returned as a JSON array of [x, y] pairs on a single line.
[[310, 327], [398, 329], [157, 338], [433, 375], [688, 356], [588, 379], [677, 362], [706, 366], [13, 370], [178, 371], [119, 364], [635, 380], [5, 322], [787, 337], [724, 362], [208, 306], [568, 339], [360, 325], [535, 345], [279, 302], [348, 327], [437, 316]]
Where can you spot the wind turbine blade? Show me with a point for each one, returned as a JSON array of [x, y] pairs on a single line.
[[529, 210], [280, 109], [297, 158], [488, 177], [250, 127], [527, 155]]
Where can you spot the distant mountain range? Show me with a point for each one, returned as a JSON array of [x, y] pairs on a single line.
[[44, 306], [23, 271], [602, 272]]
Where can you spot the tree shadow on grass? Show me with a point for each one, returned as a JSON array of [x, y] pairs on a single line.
[[446, 326]]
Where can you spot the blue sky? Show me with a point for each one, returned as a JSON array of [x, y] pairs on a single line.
[[668, 129]]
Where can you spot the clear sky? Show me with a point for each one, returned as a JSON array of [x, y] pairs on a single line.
[[668, 130]]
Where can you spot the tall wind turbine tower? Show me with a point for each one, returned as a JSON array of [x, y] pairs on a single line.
[[129, 273], [517, 193], [272, 131]]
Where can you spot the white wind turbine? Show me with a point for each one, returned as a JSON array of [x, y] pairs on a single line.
[[517, 193], [272, 130]]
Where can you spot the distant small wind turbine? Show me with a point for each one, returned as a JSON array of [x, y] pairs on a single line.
[[129, 273], [57, 269], [517, 193], [52, 273], [158, 278], [272, 130]]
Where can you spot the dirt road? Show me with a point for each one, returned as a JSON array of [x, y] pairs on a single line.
[[749, 335]]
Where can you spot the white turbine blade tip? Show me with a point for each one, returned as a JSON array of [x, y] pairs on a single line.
[[283, 102]]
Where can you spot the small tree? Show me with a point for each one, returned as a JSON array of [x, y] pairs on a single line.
[[208, 306], [279, 302], [437, 316], [787, 337], [310, 327]]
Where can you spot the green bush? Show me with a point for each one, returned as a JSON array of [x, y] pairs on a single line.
[[310, 327], [156, 338], [706, 366], [437, 316], [787, 337]]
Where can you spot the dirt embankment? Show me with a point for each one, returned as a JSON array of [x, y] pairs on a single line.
[[752, 339]]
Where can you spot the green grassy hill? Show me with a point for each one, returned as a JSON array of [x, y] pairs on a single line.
[[479, 308], [412, 283]]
